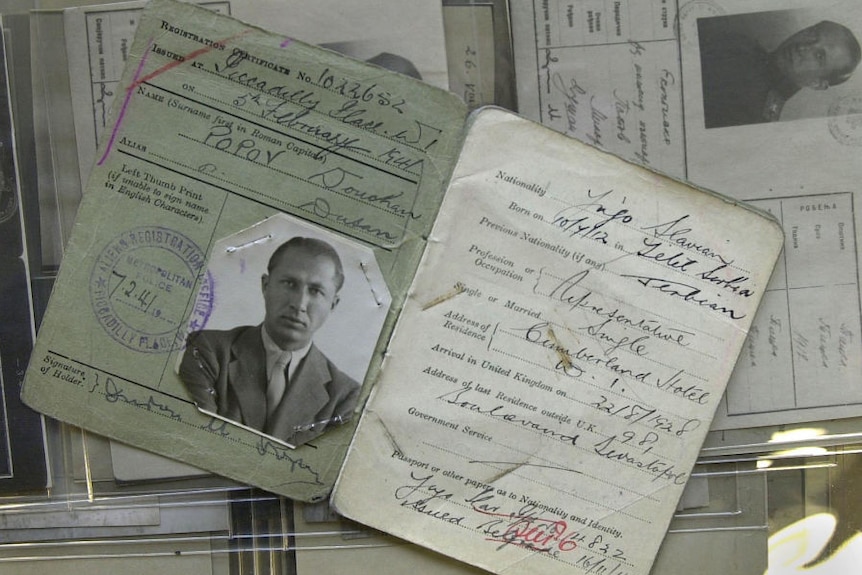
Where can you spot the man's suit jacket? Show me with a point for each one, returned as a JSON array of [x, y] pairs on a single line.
[[225, 373]]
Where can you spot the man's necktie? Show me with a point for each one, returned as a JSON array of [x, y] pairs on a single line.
[[277, 383]]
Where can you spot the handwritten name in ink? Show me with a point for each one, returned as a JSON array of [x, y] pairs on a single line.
[[349, 184], [113, 392], [295, 463], [423, 496]]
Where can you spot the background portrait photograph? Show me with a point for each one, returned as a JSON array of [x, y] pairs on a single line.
[[776, 66]]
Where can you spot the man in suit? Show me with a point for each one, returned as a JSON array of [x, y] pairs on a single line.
[[743, 83], [271, 377]]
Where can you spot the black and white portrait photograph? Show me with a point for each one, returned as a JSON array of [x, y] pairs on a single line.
[[296, 315], [775, 66]]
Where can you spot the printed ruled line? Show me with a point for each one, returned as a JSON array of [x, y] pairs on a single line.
[[553, 434], [603, 44], [604, 390], [290, 175], [138, 80], [790, 318], [623, 303], [581, 549], [233, 191], [220, 428], [586, 336], [565, 493], [639, 232], [120, 377], [550, 368], [415, 148], [793, 408], [820, 286], [323, 148], [602, 480]]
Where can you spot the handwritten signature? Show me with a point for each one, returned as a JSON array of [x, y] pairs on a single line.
[[284, 453], [424, 496], [115, 394], [321, 208]]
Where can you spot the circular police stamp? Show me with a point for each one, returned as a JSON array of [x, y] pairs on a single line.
[[140, 287], [845, 120], [689, 12]]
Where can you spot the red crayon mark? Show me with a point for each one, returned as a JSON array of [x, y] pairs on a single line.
[[125, 104], [526, 529], [137, 80]]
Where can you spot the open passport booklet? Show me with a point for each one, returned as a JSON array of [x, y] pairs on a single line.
[[543, 330]]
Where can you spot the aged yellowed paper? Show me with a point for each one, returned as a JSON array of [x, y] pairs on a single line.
[[568, 335]]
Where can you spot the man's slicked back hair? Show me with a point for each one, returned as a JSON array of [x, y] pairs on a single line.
[[313, 247]]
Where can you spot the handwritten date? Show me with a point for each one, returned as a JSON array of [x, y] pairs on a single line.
[[634, 412]]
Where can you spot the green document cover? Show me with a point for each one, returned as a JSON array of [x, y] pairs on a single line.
[[228, 142]]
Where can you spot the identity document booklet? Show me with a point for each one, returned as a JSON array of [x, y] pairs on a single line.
[[286, 256]]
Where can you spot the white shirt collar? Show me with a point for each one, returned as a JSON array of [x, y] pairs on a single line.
[[273, 352]]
